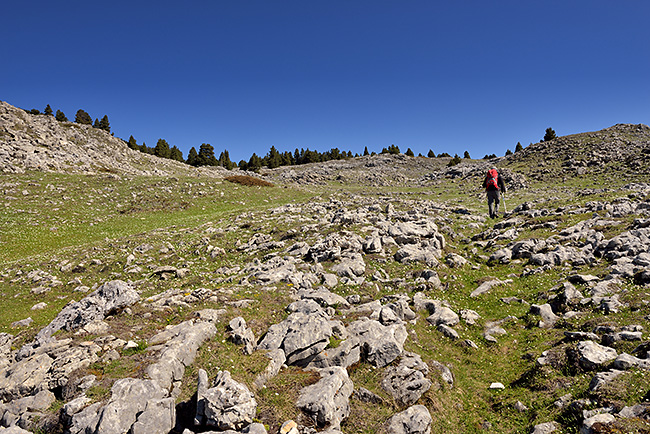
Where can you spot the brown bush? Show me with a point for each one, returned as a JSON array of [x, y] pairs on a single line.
[[248, 180]]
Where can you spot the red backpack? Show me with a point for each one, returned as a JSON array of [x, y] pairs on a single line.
[[492, 179]]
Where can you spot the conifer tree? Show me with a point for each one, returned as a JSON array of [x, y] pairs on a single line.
[[224, 160], [454, 161], [83, 118], [96, 124], [176, 154], [550, 134], [466, 155], [273, 158], [162, 149], [365, 151], [104, 124], [48, 110], [192, 157], [518, 147], [431, 154], [409, 152], [60, 116], [206, 155], [255, 162], [133, 144]]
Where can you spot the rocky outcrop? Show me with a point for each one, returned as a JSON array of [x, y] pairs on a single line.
[[227, 405], [407, 381], [413, 420], [39, 142], [301, 337], [328, 401], [109, 298]]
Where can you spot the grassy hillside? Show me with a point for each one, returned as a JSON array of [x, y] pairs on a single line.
[[64, 234]]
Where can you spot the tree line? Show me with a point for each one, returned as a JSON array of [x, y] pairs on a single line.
[[81, 117], [274, 158]]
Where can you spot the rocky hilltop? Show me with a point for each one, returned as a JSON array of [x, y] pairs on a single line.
[[39, 142], [371, 295]]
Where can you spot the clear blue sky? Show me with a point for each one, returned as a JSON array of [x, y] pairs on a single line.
[[243, 75]]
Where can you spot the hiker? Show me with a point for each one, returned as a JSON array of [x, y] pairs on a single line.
[[493, 185]]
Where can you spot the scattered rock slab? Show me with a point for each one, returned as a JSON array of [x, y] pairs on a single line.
[[328, 401], [407, 381], [227, 405], [413, 420]]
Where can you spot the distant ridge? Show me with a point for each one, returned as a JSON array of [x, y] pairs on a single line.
[[40, 142]]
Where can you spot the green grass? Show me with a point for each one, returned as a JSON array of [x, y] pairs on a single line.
[[79, 210]]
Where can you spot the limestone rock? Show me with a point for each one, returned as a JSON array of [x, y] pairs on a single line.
[[546, 312], [626, 361], [226, 405], [545, 428], [407, 381], [328, 401], [178, 347], [26, 377], [443, 315], [242, 335], [108, 298], [601, 419], [301, 336], [380, 344], [413, 420], [487, 286], [592, 355], [129, 398]]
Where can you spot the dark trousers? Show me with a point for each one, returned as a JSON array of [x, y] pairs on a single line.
[[493, 202]]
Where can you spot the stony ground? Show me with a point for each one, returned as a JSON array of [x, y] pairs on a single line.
[[370, 295]]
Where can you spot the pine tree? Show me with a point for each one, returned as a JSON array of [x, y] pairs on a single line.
[[287, 159], [243, 165], [192, 157], [104, 124], [133, 144], [431, 154], [550, 134], [254, 163], [466, 155], [518, 147], [162, 149], [176, 154], [48, 110], [508, 152], [206, 156], [60, 116], [96, 124], [410, 153], [454, 161], [224, 160], [83, 118], [365, 152], [273, 158]]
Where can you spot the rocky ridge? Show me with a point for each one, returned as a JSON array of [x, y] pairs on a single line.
[[39, 142]]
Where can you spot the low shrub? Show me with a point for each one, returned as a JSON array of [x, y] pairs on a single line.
[[248, 180]]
